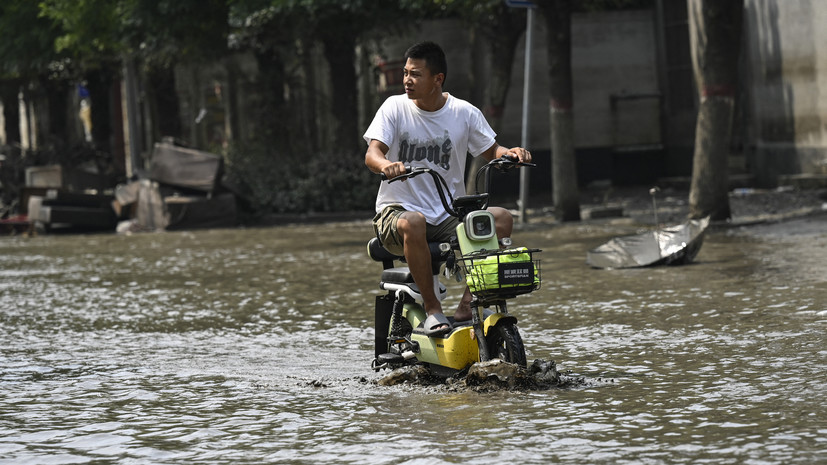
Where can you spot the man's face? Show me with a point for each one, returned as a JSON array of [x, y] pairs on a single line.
[[418, 80]]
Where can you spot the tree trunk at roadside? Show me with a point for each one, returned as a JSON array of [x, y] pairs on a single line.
[[310, 126], [565, 192], [232, 117], [56, 96], [100, 89], [500, 38], [340, 52], [268, 117], [715, 35]]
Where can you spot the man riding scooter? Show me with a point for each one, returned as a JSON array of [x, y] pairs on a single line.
[[427, 127]]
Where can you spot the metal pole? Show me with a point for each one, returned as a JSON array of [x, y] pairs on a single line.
[[526, 94], [653, 191]]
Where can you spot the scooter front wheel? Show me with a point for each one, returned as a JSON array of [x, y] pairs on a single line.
[[505, 343]]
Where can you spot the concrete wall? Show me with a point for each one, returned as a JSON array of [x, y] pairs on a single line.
[[615, 83], [617, 106], [786, 77], [613, 55]]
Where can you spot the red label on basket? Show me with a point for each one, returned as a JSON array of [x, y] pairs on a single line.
[[516, 273]]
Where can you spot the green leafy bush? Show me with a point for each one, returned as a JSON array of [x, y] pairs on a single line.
[[274, 182]]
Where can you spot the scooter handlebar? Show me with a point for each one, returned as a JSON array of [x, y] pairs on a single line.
[[510, 161], [503, 163]]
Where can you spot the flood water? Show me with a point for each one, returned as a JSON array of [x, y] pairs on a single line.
[[254, 346]]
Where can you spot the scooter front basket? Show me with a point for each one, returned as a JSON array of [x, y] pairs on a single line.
[[502, 273]]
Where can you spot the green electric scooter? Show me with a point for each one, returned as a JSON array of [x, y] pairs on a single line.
[[494, 271]]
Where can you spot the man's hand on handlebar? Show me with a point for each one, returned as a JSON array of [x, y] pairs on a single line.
[[513, 158], [518, 154], [393, 170]]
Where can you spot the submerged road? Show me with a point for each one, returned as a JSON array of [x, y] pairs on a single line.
[[254, 346]]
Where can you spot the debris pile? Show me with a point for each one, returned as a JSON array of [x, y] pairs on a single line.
[[181, 190], [58, 198]]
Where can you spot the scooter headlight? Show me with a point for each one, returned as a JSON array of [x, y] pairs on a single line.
[[479, 225]]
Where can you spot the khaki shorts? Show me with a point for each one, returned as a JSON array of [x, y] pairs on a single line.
[[384, 223]]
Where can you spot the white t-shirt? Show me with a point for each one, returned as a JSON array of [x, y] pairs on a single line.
[[439, 140]]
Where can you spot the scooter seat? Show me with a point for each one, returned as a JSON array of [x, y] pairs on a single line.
[[381, 254], [399, 275]]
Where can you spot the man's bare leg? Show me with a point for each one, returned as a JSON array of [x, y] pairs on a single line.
[[463, 312], [503, 221], [504, 224], [411, 226]]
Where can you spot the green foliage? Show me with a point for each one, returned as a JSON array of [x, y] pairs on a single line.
[[161, 31], [168, 31], [281, 183], [88, 27], [264, 26], [26, 40]]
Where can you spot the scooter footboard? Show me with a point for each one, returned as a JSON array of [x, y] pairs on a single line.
[[457, 351]]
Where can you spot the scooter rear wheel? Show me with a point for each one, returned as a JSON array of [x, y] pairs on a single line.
[[505, 343]]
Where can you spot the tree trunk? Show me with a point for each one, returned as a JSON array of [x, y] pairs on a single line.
[[501, 45], [163, 102], [481, 83], [715, 34], [565, 193], [309, 116], [269, 117], [56, 96], [340, 53], [232, 116], [100, 87]]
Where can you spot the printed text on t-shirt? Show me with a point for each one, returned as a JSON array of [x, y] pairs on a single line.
[[436, 151]]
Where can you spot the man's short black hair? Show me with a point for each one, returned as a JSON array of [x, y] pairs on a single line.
[[432, 54]]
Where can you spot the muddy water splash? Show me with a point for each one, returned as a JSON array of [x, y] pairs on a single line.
[[254, 346], [492, 375]]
